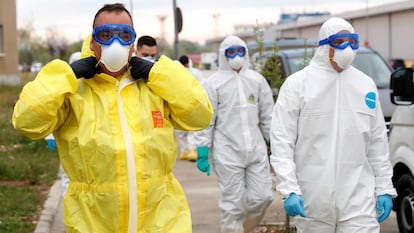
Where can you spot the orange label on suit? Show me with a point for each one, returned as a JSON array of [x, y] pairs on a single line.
[[157, 119]]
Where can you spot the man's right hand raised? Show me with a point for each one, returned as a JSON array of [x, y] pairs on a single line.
[[85, 67]]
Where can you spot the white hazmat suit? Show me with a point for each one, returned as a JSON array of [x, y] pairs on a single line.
[[187, 146], [196, 72], [329, 144], [242, 103]]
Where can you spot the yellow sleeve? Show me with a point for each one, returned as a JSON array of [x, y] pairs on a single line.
[[43, 105], [187, 99]]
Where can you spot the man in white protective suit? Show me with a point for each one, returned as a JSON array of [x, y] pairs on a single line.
[[329, 141], [237, 135], [187, 146]]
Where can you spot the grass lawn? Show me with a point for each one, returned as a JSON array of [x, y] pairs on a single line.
[[27, 169]]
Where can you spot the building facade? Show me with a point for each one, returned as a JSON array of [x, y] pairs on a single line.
[[386, 28], [8, 43]]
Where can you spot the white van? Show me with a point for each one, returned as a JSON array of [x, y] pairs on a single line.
[[401, 143]]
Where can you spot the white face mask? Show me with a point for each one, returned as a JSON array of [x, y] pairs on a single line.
[[236, 63], [149, 58], [115, 56], [345, 57]]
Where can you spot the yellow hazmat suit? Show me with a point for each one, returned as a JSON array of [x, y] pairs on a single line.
[[116, 143]]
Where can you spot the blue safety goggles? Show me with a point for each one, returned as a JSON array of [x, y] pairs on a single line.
[[234, 51], [342, 40], [105, 34]]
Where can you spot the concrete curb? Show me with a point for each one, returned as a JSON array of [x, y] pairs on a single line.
[[49, 209]]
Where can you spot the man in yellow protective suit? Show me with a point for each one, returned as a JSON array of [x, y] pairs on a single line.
[[113, 118]]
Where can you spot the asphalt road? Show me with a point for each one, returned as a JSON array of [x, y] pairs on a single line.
[[203, 196]]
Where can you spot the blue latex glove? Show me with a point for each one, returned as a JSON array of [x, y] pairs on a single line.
[[51, 143], [202, 161], [294, 205], [384, 206]]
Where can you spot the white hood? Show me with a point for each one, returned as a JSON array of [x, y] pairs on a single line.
[[230, 41], [330, 27]]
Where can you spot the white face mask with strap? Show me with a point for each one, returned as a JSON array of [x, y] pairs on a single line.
[[149, 58], [115, 56], [344, 57], [236, 62]]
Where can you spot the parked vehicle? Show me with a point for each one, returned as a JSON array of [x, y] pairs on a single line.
[[36, 67], [367, 60], [401, 143], [281, 43]]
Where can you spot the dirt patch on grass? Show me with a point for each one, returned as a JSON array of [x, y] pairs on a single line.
[[44, 189], [13, 183]]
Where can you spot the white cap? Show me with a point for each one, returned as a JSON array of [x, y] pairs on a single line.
[[74, 57]]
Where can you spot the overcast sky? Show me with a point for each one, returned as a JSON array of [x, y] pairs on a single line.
[[73, 18]]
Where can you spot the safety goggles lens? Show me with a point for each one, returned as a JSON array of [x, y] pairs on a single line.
[[234, 51], [106, 33], [342, 40]]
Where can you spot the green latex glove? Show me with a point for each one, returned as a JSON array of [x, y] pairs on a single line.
[[202, 161]]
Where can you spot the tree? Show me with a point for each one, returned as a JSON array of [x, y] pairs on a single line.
[[31, 46], [57, 45], [269, 67], [269, 63], [190, 47]]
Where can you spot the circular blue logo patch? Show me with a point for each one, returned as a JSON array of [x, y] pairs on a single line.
[[370, 100]]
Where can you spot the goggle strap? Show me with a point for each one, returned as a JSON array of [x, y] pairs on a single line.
[[122, 27], [334, 36], [324, 41]]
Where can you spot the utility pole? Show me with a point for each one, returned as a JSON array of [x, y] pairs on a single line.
[[176, 42], [216, 17], [162, 18]]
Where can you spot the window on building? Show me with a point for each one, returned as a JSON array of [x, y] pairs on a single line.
[[1, 39]]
